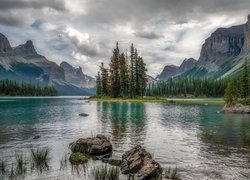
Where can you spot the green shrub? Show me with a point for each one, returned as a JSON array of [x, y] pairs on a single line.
[[78, 158]]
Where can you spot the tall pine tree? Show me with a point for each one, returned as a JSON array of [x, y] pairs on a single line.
[[124, 76], [244, 88], [132, 72], [115, 72], [104, 80], [98, 84]]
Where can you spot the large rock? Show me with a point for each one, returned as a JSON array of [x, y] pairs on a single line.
[[138, 160], [237, 108], [96, 146]]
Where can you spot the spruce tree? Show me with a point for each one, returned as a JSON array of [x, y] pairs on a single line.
[[115, 72], [124, 76], [244, 87], [230, 95], [98, 85], [132, 74], [104, 80]]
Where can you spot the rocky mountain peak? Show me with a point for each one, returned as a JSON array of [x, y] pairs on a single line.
[[4, 44], [66, 65], [170, 71], [76, 76], [26, 50], [187, 64]]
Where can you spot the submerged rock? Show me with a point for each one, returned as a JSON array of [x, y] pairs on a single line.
[[237, 108], [83, 114], [138, 160], [98, 146], [36, 137]]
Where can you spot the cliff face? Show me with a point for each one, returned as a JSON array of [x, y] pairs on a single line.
[[224, 44], [76, 76], [4, 45], [246, 47], [224, 52], [170, 71]]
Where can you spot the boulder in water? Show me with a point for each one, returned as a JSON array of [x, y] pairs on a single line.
[[83, 114], [95, 146], [138, 160]]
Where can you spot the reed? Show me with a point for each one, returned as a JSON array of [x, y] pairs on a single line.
[[40, 158], [106, 173], [172, 174]]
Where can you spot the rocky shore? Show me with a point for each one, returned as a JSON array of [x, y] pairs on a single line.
[[237, 109], [135, 161]]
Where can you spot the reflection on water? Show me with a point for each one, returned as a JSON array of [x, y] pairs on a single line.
[[125, 123], [202, 143]]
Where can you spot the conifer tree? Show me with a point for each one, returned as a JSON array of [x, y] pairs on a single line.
[[230, 95], [115, 72], [104, 80], [244, 87], [124, 76], [98, 84], [132, 74]]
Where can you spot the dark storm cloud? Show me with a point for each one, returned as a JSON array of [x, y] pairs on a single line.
[[17, 12], [111, 12], [176, 28], [35, 4], [149, 35], [10, 19]]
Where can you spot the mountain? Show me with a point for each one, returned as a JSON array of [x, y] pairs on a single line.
[[76, 76], [223, 53], [170, 71], [23, 63]]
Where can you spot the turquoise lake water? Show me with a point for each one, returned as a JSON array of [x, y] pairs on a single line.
[[202, 143]]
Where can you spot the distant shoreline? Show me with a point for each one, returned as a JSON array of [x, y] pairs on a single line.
[[198, 101]]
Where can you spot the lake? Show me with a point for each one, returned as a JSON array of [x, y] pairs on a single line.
[[200, 142]]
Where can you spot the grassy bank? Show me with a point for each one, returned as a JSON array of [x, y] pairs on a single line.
[[203, 101]]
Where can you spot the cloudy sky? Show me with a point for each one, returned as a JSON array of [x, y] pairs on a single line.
[[83, 32]]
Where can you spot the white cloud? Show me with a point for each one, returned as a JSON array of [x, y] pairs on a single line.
[[84, 44]]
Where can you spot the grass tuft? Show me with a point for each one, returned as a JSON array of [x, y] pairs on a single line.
[[172, 174], [106, 173], [40, 158], [3, 167], [63, 162], [20, 165]]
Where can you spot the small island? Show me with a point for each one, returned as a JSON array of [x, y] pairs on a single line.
[[237, 100]]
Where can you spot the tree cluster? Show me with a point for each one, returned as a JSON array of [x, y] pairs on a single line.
[[122, 79], [182, 87], [13, 88], [232, 93]]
